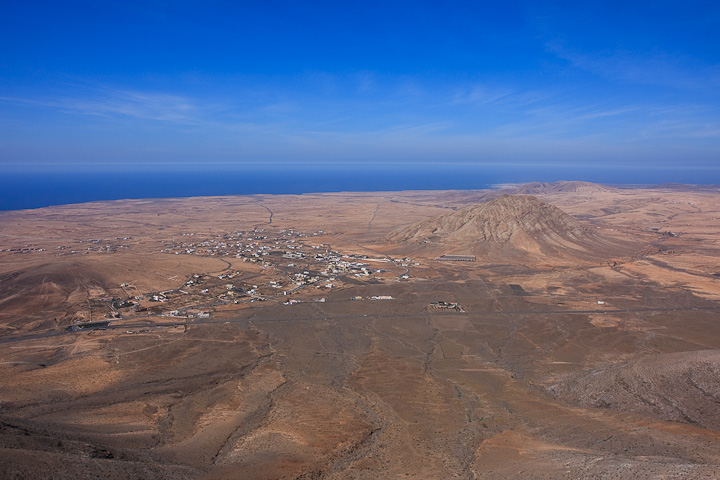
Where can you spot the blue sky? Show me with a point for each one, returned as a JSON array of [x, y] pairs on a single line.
[[101, 84]]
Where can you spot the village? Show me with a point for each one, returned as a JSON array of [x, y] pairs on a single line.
[[284, 267]]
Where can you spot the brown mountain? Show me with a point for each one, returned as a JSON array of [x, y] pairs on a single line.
[[510, 225]]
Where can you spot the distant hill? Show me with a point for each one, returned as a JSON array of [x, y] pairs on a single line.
[[538, 188], [682, 187], [511, 225]]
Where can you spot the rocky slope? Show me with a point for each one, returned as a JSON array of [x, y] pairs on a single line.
[[510, 225], [680, 387]]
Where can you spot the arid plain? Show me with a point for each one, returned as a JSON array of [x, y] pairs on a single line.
[[350, 336]]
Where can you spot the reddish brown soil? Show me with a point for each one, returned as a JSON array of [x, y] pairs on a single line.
[[592, 366]]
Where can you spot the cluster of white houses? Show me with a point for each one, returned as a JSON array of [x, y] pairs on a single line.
[[289, 262], [251, 245]]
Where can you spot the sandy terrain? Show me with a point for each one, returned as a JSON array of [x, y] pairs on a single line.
[[318, 336]]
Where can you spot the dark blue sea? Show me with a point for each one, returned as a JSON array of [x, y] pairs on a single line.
[[22, 190]]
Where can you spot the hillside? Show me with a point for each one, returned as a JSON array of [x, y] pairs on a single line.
[[512, 225]]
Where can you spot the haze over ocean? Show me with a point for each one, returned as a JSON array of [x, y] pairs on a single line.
[[23, 190]]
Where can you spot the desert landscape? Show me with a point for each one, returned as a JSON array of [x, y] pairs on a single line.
[[560, 330]]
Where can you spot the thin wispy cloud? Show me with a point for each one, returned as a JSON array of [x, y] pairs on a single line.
[[657, 69], [491, 114], [118, 103], [481, 95]]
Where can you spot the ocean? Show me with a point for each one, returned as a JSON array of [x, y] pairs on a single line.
[[23, 190]]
